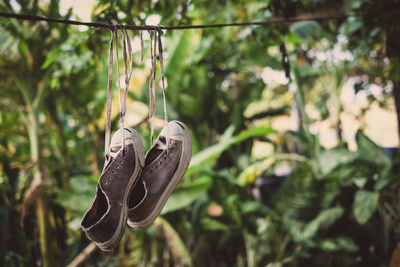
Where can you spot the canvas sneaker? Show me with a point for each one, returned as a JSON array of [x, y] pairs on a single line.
[[164, 168], [104, 222]]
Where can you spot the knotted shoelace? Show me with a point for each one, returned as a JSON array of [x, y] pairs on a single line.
[[152, 83], [155, 42], [128, 62]]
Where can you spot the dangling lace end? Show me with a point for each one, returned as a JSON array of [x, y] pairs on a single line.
[[167, 135], [166, 118], [127, 53], [152, 89], [121, 117], [160, 52], [141, 47], [151, 120], [121, 104], [109, 97]]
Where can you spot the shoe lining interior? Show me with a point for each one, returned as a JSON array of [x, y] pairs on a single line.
[[137, 194], [99, 208], [154, 152]]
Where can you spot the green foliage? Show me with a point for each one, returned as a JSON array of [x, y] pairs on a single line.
[[371, 152], [332, 158], [334, 207], [227, 140], [307, 30], [213, 225], [365, 204], [78, 197], [340, 243], [186, 193]]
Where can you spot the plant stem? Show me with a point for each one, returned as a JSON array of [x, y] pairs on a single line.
[[32, 125], [300, 105], [84, 255], [41, 205], [41, 211]]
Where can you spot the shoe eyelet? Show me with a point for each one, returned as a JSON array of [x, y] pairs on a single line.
[[117, 166], [160, 162], [105, 183], [112, 172], [165, 157], [156, 166], [109, 177], [146, 175]]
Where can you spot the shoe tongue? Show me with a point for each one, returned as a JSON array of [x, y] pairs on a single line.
[[156, 150], [114, 151]]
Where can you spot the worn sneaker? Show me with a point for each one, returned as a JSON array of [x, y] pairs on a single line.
[[105, 221], [163, 170]]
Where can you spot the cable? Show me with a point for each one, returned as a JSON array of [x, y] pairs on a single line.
[[101, 25]]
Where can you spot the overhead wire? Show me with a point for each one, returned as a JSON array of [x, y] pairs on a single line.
[[101, 25]]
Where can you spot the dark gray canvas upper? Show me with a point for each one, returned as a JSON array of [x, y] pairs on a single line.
[[102, 218], [159, 169]]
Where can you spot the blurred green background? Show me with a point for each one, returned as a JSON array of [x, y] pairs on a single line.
[[294, 129]]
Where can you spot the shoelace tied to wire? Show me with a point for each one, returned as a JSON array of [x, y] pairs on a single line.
[[128, 62]]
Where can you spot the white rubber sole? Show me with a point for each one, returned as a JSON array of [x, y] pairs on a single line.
[[139, 163], [186, 156]]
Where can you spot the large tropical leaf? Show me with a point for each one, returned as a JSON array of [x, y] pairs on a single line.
[[368, 150], [186, 193], [340, 243], [80, 195], [307, 30], [306, 231], [227, 140], [329, 159], [364, 206], [324, 220]]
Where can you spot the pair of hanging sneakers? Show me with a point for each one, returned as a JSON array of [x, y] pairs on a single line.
[[133, 188]]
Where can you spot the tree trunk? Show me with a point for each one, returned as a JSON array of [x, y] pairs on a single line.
[[41, 213], [40, 197], [396, 95]]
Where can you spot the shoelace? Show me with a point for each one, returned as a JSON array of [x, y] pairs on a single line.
[[160, 145], [152, 86], [152, 83], [141, 46], [128, 61], [109, 97], [160, 52]]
